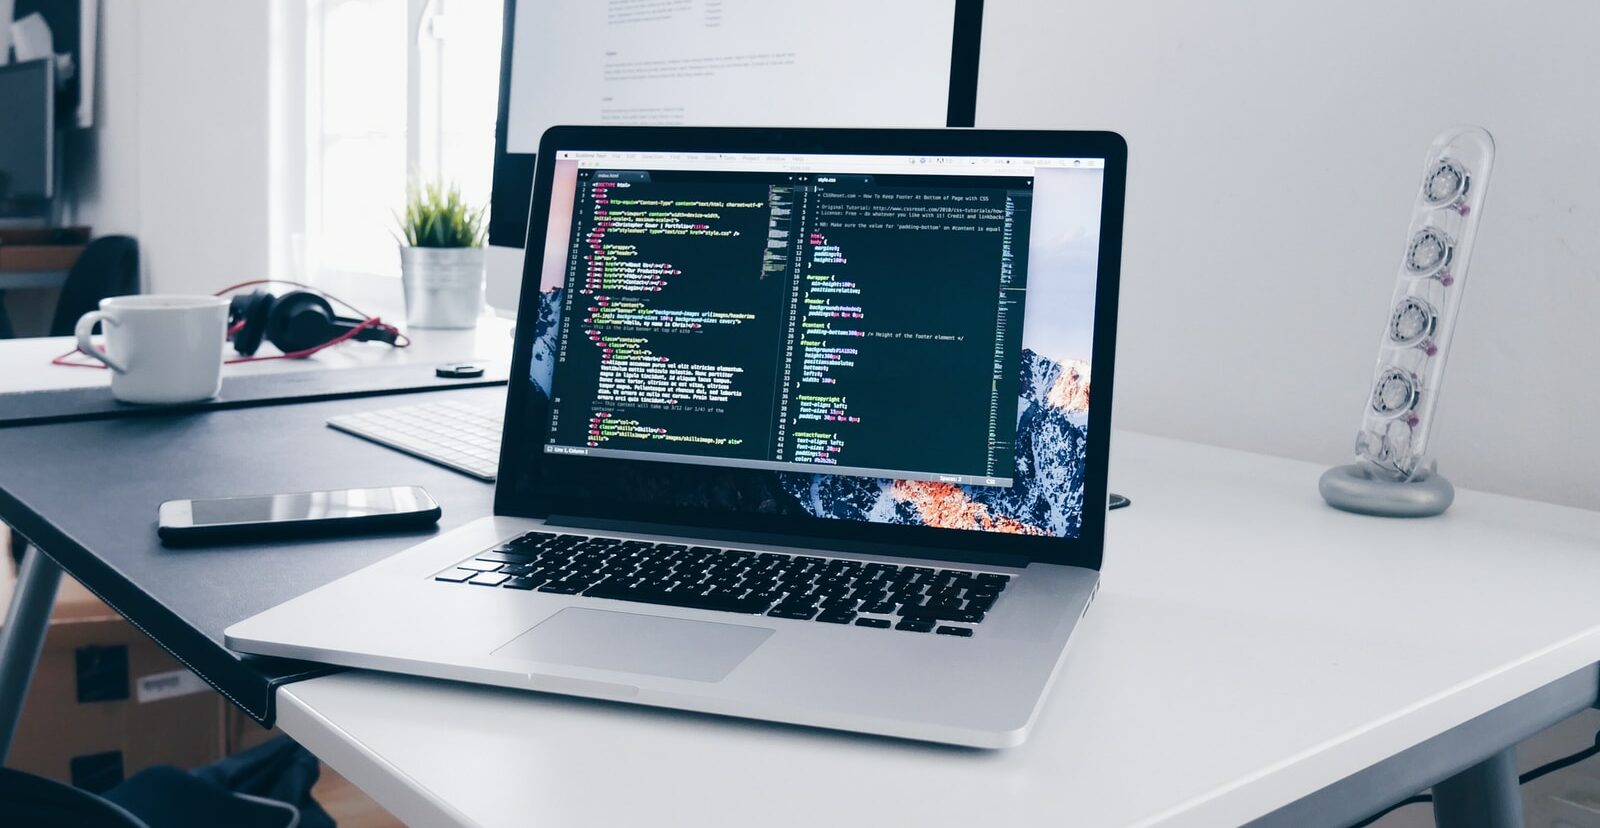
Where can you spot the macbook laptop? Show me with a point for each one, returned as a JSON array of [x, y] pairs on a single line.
[[801, 428]]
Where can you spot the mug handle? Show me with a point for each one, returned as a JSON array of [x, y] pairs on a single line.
[[85, 327]]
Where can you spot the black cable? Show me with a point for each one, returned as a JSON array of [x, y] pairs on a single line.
[[1558, 764], [1543, 770]]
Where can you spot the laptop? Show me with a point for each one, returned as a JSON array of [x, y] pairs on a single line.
[[800, 429]]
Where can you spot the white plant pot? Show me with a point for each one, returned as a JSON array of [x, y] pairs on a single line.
[[443, 286]]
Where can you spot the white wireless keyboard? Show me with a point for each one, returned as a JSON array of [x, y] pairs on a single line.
[[457, 436]]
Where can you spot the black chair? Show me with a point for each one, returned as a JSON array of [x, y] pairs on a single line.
[[109, 266]]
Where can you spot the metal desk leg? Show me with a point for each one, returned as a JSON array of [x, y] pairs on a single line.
[[1486, 795], [22, 636]]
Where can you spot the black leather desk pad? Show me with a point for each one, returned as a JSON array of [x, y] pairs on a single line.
[[86, 492], [240, 391]]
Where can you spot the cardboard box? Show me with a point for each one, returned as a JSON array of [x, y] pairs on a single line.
[[107, 702]]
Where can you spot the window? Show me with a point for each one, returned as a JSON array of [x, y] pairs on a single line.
[[395, 89]]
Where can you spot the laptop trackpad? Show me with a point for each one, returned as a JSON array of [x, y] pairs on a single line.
[[630, 643]]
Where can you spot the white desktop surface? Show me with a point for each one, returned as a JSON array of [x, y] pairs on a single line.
[[1249, 646], [25, 363]]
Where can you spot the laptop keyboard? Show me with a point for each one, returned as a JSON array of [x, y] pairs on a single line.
[[800, 587]]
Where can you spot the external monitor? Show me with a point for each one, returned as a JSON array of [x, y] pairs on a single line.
[[843, 63], [27, 141]]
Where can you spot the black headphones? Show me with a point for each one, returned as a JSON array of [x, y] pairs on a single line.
[[294, 322]]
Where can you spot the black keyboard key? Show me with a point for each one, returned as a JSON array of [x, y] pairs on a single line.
[[456, 576], [963, 632], [833, 616], [931, 614], [563, 587], [920, 625], [994, 580], [799, 613], [880, 623], [804, 598], [488, 579], [881, 607], [715, 601], [980, 602], [520, 583]]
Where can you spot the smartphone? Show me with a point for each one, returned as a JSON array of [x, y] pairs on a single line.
[[263, 517]]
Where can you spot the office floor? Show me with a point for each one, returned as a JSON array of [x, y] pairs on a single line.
[[349, 807], [1568, 798]]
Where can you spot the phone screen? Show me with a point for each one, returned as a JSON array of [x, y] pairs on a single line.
[[345, 503]]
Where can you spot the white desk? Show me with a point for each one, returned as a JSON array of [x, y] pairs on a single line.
[[1250, 647], [25, 363]]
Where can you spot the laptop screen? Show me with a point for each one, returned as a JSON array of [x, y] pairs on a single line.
[[872, 338]]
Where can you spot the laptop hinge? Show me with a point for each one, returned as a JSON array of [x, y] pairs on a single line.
[[889, 550]]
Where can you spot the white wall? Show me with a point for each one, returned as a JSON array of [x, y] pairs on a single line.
[[180, 155], [1274, 152], [1274, 149]]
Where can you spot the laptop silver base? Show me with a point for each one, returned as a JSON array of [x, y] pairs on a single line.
[[984, 691]]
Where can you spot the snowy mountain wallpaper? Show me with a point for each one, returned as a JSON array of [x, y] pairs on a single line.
[[1047, 495]]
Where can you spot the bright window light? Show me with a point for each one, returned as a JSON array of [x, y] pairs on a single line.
[[395, 88]]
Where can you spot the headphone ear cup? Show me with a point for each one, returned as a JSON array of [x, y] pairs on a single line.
[[301, 320], [252, 309]]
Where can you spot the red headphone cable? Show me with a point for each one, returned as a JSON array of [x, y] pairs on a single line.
[[401, 340]]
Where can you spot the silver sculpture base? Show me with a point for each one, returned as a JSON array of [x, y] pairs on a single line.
[[1354, 488]]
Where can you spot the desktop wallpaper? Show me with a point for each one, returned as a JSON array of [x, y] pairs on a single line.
[[1046, 497]]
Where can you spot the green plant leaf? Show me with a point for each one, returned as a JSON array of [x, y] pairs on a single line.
[[437, 216]]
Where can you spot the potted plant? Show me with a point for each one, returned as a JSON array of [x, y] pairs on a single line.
[[441, 257]]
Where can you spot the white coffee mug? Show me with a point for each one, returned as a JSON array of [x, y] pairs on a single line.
[[160, 349]]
